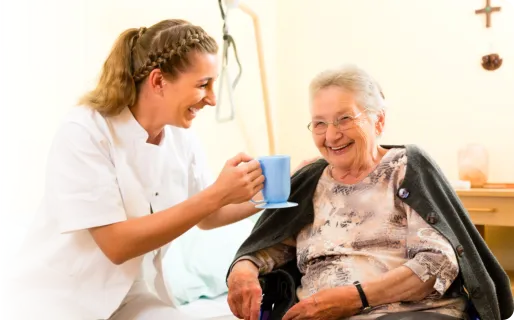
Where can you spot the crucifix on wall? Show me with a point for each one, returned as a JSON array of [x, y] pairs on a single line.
[[488, 10], [491, 61]]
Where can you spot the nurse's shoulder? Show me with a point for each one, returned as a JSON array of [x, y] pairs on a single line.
[[83, 131], [90, 120]]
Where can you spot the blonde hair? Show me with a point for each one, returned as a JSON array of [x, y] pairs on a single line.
[[368, 93], [166, 45]]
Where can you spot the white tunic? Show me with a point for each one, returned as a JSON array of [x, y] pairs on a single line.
[[101, 171]]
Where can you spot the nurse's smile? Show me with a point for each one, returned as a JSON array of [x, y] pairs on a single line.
[[193, 111]]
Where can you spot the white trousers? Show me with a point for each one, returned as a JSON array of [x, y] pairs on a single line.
[[141, 304], [148, 307]]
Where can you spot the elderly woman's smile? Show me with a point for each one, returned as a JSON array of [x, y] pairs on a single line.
[[341, 149]]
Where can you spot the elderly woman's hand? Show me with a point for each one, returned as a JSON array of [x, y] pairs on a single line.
[[329, 304], [244, 291]]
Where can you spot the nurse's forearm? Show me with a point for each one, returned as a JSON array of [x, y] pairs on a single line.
[[125, 240], [236, 212], [228, 214]]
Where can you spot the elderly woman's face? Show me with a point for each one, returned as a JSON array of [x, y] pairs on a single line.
[[349, 142]]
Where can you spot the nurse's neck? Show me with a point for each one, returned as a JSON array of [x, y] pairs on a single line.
[[147, 121]]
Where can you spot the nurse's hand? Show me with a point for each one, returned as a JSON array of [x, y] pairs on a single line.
[[244, 291], [240, 180]]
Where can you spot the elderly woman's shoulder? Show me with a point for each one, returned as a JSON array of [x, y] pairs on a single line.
[[411, 151], [415, 158], [311, 168], [419, 160], [418, 155]]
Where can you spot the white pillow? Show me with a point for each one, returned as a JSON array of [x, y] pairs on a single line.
[[196, 263]]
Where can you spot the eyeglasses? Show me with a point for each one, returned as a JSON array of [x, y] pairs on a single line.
[[342, 123]]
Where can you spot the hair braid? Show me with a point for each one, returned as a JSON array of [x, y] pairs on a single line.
[[180, 48], [165, 45]]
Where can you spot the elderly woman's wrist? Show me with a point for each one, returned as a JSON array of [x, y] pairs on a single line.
[[247, 265], [348, 298], [354, 300]]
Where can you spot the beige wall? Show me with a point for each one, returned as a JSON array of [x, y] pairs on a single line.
[[426, 54], [52, 52]]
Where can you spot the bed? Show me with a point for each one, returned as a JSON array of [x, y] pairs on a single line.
[[194, 266]]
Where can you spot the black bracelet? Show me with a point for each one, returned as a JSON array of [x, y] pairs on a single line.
[[365, 304]]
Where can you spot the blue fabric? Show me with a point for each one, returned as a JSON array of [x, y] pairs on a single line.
[[196, 263]]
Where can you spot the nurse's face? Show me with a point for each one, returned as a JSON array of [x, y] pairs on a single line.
[[183, 97]]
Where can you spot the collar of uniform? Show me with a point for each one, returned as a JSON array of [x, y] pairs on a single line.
[[128, 127]]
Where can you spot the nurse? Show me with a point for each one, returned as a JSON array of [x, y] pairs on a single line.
[[126, 177]]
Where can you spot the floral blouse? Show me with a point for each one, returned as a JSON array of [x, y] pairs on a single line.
[[362, 231]]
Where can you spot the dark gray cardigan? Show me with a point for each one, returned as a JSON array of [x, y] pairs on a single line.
[[426, 190]]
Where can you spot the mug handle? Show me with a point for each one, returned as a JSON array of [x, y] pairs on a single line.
[[258, 201]]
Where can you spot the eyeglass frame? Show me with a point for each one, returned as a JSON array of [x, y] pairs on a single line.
[[334, 123]]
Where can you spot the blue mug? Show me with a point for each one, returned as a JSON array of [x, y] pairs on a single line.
[[277, 182]]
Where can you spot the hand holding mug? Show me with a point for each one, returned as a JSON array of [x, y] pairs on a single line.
[[240, 179], [277, 183]]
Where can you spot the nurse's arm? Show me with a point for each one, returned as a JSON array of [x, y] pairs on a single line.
[[229, 214], [128, 239], [236, 212]]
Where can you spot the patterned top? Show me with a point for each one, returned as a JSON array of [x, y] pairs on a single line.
[[362, 231]]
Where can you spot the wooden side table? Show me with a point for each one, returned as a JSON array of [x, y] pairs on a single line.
[[490, 207]]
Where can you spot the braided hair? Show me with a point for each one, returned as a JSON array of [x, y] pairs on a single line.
[[166, 46]]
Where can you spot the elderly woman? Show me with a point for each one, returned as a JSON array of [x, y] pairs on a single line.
[[378, 232]]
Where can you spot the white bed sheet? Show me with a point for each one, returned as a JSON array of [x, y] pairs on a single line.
[[216, 308]]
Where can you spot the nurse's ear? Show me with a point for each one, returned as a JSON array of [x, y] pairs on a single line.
[[156, 81]]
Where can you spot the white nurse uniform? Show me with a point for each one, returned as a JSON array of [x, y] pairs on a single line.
[[102, 171]]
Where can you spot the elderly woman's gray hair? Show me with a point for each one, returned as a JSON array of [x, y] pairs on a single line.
[[368, 93]]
